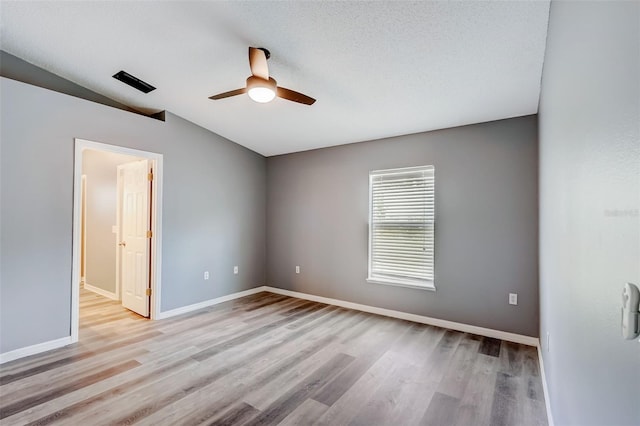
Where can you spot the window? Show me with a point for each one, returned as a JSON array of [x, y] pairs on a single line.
[[401, 227]]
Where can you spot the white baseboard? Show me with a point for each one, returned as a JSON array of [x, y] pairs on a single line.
[[466, 328], [100, 291], [34, 349], [210, 302], [545, 389], [511, 337]]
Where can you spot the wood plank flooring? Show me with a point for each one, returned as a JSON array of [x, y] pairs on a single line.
[[268, 359]]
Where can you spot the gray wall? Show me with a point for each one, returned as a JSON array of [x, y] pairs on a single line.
[[213, 212], [486, 223], [18, 69], [589, 202], [101, 171]]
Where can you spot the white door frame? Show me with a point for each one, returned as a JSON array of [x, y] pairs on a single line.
[[156, 226]]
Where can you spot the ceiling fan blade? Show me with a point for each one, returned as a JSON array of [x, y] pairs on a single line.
[[258, 63], [292, 95], [229, 94]]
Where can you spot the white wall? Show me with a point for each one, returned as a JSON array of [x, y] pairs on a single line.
[[589, 210]]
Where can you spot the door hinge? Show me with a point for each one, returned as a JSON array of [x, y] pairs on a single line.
[[148, 292], [150, 176], [149, 234]]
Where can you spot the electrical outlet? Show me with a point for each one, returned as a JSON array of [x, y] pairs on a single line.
[[513, 298], [235, 270], [297, 269], [206, 275]]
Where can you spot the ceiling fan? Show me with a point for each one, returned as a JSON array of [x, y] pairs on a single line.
[[262, 88]]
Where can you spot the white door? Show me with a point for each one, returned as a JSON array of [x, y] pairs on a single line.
[[135, 236]]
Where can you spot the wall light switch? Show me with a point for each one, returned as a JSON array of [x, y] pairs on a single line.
[[513, 298], [114, 229], [235, 270], [297, 269], [206, 275]]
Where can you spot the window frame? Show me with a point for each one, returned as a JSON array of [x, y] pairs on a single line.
[[398, 281]]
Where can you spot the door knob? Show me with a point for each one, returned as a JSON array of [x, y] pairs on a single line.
[[122, 243]]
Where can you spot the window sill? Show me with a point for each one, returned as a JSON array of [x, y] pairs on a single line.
[[429, 286]]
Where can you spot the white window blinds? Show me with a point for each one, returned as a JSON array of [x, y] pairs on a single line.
[[401, 226]]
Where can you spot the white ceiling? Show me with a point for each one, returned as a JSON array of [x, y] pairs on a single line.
[[377, 69]]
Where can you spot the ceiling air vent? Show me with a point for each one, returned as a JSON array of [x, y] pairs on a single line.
[[134, 82]]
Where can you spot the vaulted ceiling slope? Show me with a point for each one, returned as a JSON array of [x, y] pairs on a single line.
[[377, 69]]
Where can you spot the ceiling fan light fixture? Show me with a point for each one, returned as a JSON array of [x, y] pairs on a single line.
[[261, 94], [261, 90]]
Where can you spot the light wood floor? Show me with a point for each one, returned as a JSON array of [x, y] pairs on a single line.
[[268, 359]]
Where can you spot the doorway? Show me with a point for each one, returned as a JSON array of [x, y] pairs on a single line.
[[123, 213]]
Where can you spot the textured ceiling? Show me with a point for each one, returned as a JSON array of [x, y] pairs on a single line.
[[377, 69]]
